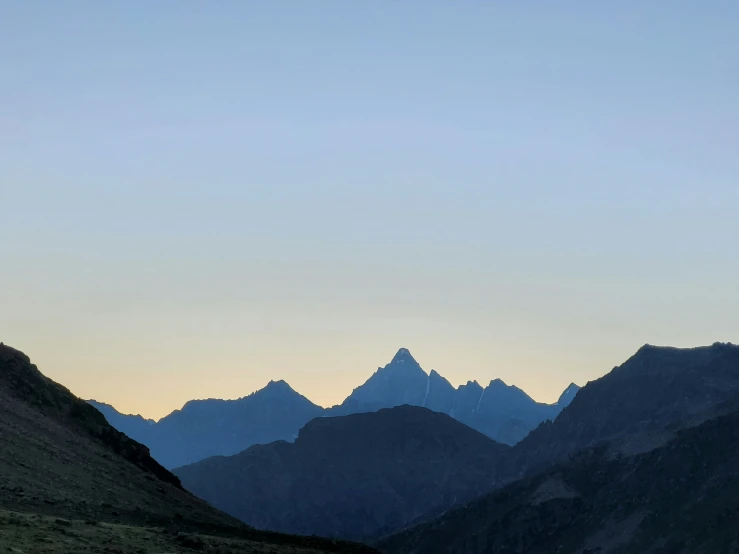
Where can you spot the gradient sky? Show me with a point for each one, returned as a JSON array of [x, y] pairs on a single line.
[[198, 197]]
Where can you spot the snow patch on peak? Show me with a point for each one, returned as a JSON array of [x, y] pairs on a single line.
[[568, 394], [428, 386], [403, 356], [477, 409]]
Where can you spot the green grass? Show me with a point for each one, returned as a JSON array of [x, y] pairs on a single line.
[[23, 533]]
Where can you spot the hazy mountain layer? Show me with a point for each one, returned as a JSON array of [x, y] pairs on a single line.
[[356, 476], [204, 428]]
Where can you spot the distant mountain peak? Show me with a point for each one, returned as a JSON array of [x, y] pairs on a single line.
[[403, 356], [568, 394], [277, 388], [278, 385]]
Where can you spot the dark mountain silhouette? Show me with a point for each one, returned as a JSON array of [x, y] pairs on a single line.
[[355, 476], [681, 498], [134, 426], [639, 404], [502, 412], [400, 382], [336, 482], [59, 457], [441, 394], [204, 428]]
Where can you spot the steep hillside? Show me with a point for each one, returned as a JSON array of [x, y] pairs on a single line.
[[355, 476], [640, 403], [681, 498], [60, 458]]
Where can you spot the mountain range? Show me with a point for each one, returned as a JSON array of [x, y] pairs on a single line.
[[204, 428], [380, 473], [679, 498], [358, 476], [70, 482], [642, 460]]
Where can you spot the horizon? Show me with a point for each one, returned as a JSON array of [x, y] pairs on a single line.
[[325, 406], [199, 199], [483, 384]]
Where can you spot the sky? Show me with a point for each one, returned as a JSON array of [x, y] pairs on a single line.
[[198, 197]]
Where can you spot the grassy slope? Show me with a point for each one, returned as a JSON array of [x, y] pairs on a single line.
[[60, 459]]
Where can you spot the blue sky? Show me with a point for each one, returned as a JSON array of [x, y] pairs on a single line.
[[205, 196]]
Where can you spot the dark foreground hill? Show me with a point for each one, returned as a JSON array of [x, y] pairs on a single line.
[[644, 459], [344, 477], [67, 476], [356, 476], [639, 404], [681, 498]]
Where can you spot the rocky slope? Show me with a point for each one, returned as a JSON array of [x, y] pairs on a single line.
[[60, 458], [355, 476], [681, 498], [639, 404]]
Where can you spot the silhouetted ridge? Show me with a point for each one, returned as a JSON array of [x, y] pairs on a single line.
[[656, 391], [355, 476], [212, 427], [680, 497], [62, 464], [403, 356], [22, 380], [567, 395]]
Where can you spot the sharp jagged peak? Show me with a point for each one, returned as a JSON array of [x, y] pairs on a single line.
[[471, 384], [568, 394], [403, 356], [436, 375], [403, 363]]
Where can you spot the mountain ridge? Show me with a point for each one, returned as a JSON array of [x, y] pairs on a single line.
[[402, 381], [356, 476], [70, 482], [679, 497]]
